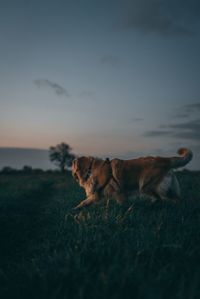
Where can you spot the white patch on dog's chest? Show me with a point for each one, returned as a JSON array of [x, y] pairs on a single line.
[[166, 183]]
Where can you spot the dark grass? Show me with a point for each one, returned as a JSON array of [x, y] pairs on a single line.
[[49, 251]]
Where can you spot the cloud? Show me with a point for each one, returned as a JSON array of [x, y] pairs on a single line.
[[190, 125], [161, 17], [192, 107], [192, 135], [180, 115], [187, 110], [56, 88], [157, 133], [110, 60], [136, 119], [185, 130], [189, 129], [61, 91]]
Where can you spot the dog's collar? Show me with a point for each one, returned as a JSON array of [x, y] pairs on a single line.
[[89, 171], [111, 177]]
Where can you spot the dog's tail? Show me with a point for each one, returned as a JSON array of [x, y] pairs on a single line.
[[185, 157]]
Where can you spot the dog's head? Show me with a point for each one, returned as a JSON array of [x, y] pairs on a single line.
[[81, 168]]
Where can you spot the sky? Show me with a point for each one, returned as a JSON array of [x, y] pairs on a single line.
[[111, 78]]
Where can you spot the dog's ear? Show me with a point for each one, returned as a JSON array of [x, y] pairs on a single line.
[[82, 163], [74, 165]]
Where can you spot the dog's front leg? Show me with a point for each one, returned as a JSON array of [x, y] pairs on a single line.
[[88, 201]]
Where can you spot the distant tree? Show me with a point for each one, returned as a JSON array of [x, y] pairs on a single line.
[[27, 169], [61, 155], [37, 171], [8, 170]]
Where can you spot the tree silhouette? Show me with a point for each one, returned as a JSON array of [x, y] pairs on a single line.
[[61, 155]]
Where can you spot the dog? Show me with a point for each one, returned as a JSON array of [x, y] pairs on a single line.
[[152, 176]]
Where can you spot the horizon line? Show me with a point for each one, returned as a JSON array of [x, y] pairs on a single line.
[[19, 148]]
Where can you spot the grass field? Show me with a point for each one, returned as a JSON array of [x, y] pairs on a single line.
[[49, 251]]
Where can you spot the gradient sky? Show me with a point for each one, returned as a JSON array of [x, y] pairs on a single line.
[[111, 78]]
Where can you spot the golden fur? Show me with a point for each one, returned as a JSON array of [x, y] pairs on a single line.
[[117, 178]]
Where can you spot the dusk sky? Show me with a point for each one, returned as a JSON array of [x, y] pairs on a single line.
[[111, 78]]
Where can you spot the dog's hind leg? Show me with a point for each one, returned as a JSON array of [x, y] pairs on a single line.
[[148, 187]]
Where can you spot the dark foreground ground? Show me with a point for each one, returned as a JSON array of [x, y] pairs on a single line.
[[48, 251]]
